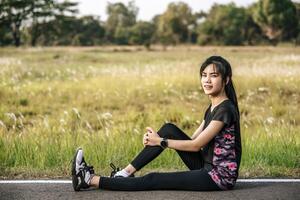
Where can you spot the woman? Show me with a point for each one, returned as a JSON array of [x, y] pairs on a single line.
[[212, 154]]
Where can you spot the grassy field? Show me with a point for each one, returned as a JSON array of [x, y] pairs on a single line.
[[53, 100]]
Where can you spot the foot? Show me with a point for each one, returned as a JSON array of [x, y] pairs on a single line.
[[81, 172], [116, 172]]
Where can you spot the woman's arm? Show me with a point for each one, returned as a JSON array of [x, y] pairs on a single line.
[[214, 127], [200, 141], [198, 131]]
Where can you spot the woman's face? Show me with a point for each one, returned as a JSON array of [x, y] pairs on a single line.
[[211, 81]]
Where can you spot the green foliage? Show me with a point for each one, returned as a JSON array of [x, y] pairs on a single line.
[[53, 22], [173, 24], [43, 10], [121, 35], [89, 31], [6, 37], [120, 18], [142, 33], [225, 25], [16, 12], [297, 38], [277, 18], [253, 34], [82, 31]]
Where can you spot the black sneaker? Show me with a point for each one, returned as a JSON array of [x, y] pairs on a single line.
[[81, 172], [115, 170]]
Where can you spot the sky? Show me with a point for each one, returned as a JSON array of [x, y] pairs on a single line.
[[149, 8]]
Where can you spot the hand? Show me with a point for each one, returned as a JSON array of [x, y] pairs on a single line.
[[151, 138]]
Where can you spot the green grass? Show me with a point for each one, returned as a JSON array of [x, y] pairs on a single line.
[[53, 100]]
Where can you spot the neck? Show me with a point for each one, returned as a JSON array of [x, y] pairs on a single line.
[[215, 100]]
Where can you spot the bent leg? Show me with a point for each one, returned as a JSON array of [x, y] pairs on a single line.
[[196, 180], [193, 160]]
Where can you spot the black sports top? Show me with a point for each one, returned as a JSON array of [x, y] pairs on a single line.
[[223, 152]]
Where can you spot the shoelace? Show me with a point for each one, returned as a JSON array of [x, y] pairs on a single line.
[[85, 167], [115, 170], [90, 169]]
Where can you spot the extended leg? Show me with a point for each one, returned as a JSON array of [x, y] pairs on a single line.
[[188, 180]]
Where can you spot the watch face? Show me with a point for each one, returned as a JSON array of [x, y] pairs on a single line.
[[163, 143]]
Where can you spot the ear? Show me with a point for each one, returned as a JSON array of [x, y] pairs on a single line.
[[227, 80]]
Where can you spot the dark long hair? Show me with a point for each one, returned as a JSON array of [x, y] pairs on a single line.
[[224, 68]]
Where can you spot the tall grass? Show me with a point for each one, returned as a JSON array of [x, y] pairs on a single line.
[[56, 99]]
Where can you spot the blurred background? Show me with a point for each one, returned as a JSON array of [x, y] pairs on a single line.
[[89, 23]]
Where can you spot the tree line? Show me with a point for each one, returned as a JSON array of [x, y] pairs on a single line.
[[52, 23]]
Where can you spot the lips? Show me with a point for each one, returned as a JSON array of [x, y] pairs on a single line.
[[208, 87]]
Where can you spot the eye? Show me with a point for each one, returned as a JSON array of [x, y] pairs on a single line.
[[203, 75]]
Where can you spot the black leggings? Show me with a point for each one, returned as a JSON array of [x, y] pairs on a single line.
[[196, 179]]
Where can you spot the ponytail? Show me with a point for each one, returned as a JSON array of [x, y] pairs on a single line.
[[230, 92]]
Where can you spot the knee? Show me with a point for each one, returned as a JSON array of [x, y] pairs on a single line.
[[169, 126], [166, 130]]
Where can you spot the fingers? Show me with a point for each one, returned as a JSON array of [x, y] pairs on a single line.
[[145, 139], [147, 135]]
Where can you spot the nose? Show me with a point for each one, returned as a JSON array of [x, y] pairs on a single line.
[[207, 79]]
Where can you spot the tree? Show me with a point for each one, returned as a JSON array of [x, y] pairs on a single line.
[[297, 35], [91, 31], [13, 13], [39, 10], [5, 34], [69, 30], [198, 18], [16, 13], [253, 33], [142, 33], [58, 31], [173, 24], [120, 19], [43, 10], [224, 25], [121, 35], [276, 18]]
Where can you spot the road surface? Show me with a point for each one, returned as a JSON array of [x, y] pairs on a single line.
[[63, 190]]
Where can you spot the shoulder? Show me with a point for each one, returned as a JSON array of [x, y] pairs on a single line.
[[226, 112], [207, 111], [227, 106]]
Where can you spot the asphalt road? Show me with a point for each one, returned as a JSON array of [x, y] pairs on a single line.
[[242, 190]]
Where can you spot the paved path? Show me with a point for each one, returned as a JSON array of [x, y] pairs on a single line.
[[63, 190]]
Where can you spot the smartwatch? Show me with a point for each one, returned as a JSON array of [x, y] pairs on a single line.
[[164, 143]]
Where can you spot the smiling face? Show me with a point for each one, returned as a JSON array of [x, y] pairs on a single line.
[[211, 81]]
